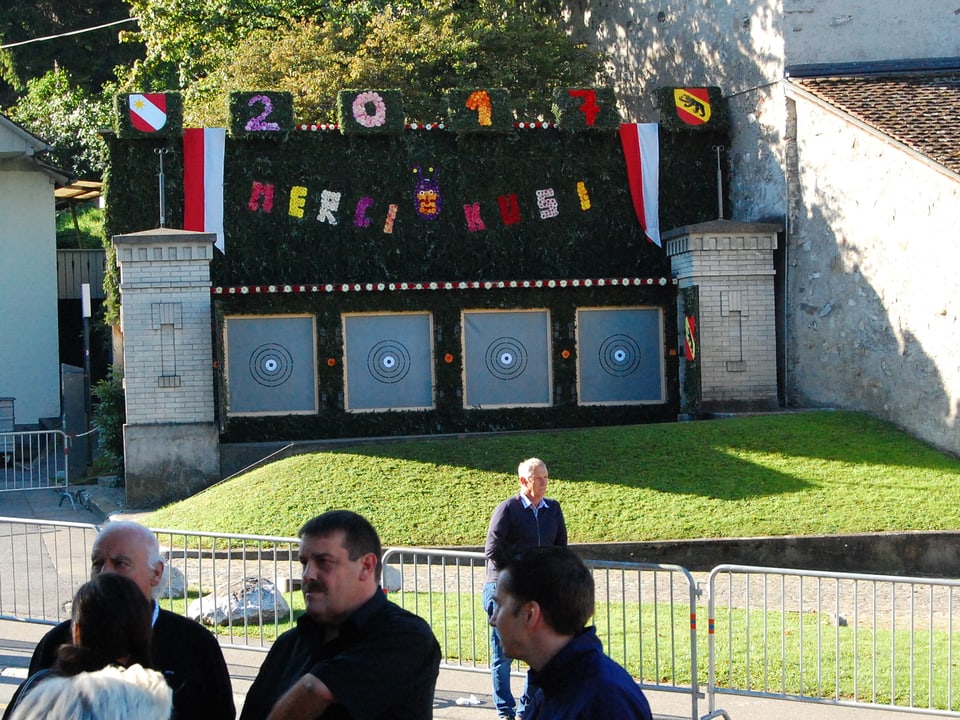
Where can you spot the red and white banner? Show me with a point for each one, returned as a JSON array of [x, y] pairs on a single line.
[[641, 149], [203, 180], [148, 112]]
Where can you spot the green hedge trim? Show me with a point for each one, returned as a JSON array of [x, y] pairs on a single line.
[[382, 114], [261, 114], [480, 110], [586, 108]]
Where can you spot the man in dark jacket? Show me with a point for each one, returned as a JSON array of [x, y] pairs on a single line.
[[545, 596], [187, 654], [528, 519], [354, 654]]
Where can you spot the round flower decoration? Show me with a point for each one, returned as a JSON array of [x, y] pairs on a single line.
[[360, 114], [565, 354], [448, 358], [331, 362]]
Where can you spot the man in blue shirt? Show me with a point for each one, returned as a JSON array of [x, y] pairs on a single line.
[[528, 519], [544, 598]]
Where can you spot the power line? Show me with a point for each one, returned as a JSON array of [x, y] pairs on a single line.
[[72, 32]]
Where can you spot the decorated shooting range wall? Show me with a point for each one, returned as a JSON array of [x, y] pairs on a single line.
[[455, 277]]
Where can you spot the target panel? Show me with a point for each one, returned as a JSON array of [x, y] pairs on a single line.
[[271, 365], [620, 356], [506, 358], [388, 361]]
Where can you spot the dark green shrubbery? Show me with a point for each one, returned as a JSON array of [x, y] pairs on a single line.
[[109, 416]]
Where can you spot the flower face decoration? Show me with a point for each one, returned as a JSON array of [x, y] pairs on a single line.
[[426, 195]]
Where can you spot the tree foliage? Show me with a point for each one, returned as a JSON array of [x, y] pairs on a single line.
[[314, 49], [89, 57], [55, 109]]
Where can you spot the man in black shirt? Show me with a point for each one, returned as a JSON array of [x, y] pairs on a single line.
[[354, 654], [187, 654]]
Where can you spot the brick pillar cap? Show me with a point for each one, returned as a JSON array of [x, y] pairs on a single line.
[[164, 235], [725, 227]]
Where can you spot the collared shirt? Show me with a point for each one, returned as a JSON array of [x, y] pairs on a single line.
[[525, 501], [379, 641], [513, 528]]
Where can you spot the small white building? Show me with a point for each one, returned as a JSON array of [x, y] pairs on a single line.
[[29, 346]]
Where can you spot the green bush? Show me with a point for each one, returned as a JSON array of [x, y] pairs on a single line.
[[109, 415]]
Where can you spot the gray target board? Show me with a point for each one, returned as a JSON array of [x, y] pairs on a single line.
[[270, 364], [620, 356], [506, 358], [388, 363]]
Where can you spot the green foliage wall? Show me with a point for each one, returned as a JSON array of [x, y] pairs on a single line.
[[278, 247]]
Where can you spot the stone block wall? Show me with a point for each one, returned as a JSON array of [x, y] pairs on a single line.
[[731, 264], [171, 441]]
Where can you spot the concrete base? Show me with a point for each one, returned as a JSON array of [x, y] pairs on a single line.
[[166, 462]]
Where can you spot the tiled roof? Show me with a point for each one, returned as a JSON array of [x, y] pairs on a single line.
[[919, 109]]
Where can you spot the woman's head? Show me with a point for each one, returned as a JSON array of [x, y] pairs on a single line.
[[102, 695], [112, 624]]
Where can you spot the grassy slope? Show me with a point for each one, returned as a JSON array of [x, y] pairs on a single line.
[[804, 473]]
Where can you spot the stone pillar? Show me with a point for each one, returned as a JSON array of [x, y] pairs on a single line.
[[730, 264], [170, 439]]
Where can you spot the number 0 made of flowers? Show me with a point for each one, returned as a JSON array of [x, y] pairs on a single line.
[[363, 103]]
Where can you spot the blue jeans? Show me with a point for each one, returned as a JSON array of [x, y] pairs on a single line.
[[500, 665]]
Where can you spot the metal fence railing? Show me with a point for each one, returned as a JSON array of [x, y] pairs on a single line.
[[646, 613], [866, 641], [42, 563], [34, 460], [859, 640]]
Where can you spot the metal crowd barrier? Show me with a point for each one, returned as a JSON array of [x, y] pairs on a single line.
[[34, 460], [858, 640], [42, 563], [867, 641], [646, 613]]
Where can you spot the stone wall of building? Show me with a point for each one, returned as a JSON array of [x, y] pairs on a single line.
[[869, 319], [744, 46], [873, 320]]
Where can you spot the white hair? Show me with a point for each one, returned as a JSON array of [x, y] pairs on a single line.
[[153, 548], [526, 468], [113, 693]]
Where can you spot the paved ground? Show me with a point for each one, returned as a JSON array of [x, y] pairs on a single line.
[[461, 694]]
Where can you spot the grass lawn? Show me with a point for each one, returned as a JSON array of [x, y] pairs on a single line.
[[799, 473]]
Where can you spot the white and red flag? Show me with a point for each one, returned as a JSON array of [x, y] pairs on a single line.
[[203, 150], [148, 111], [641, 149]]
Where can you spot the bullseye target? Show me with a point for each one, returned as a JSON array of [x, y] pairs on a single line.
[[619, 355], [506, 358], [271, 364], [388, 361]]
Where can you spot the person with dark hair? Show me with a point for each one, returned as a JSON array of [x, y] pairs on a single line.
[[544, 599], [187, 654], [528, 519], [110, 626], [353, 654]]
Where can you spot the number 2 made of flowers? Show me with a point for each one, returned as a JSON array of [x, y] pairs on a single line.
[[257, 122]]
